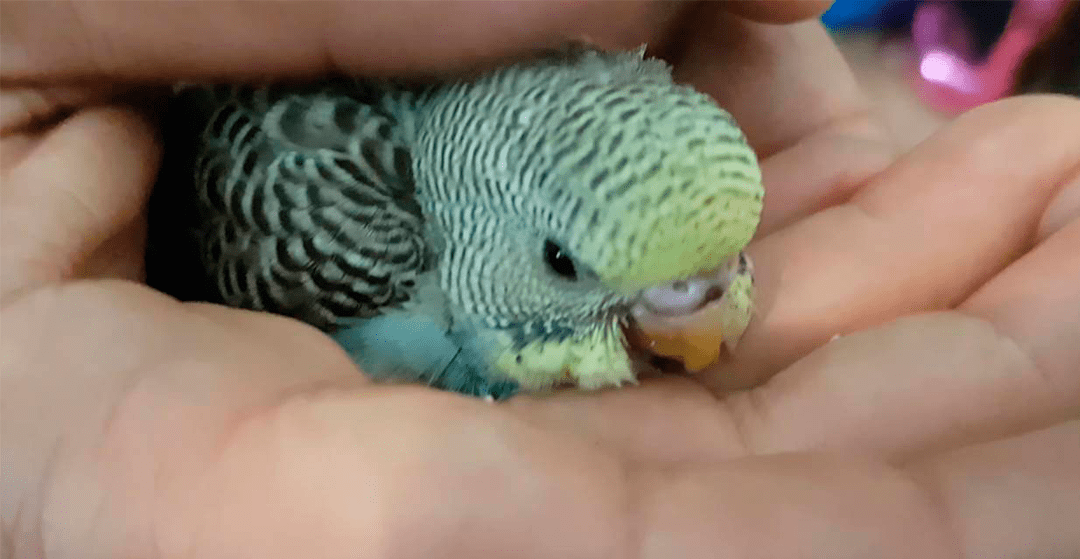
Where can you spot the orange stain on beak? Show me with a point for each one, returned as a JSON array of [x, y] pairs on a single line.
[[694, 339]]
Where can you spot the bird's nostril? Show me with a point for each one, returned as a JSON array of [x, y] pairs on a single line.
[[713, 293]]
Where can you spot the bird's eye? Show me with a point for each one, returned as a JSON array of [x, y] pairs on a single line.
[[559, 261]]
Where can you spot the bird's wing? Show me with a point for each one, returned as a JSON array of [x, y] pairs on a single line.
[[306, 197]]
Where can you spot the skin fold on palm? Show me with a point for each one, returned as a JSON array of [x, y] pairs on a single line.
[[949, 271]]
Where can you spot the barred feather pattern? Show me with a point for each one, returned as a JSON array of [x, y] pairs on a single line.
[[348, 198], [307, 198], [637, 179]]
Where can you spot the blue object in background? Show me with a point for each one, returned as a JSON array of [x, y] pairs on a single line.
[[879, 15], [853, 13]]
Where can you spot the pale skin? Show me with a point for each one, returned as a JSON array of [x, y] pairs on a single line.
[[942, 424]]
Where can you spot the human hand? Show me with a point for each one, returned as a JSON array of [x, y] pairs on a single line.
[[156, 429]]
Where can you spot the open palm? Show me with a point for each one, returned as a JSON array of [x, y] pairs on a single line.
[[137, 425]]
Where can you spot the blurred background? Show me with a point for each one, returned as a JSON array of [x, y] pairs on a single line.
[[925, 61]]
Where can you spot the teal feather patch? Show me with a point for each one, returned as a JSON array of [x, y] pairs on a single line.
[[415, 348]]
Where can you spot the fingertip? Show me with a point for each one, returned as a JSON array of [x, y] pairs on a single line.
[[778, 11]]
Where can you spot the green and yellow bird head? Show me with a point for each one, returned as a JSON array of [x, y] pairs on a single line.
[[565, 194]]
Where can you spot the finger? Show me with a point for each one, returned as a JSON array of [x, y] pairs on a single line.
[[121, 256], [1064, 208], [73, 40], [1013, 498], [798, 102], [78, 186], [781, 83], [1004, 363], [23, 107], [821, 170], [1036, 304], [921, 236], [121, 40], [916, 385], [778, 11], [1010, 499]]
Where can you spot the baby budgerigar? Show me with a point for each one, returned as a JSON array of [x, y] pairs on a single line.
[[484, 235]]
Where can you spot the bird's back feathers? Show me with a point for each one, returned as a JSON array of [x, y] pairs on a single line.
[[307, 197]]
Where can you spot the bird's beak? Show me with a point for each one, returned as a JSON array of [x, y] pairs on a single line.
[[695, 320]]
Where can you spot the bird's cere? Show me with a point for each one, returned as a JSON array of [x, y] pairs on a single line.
[[682, 296]]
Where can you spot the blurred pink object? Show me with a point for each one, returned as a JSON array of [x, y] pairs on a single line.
[[951, 77]]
